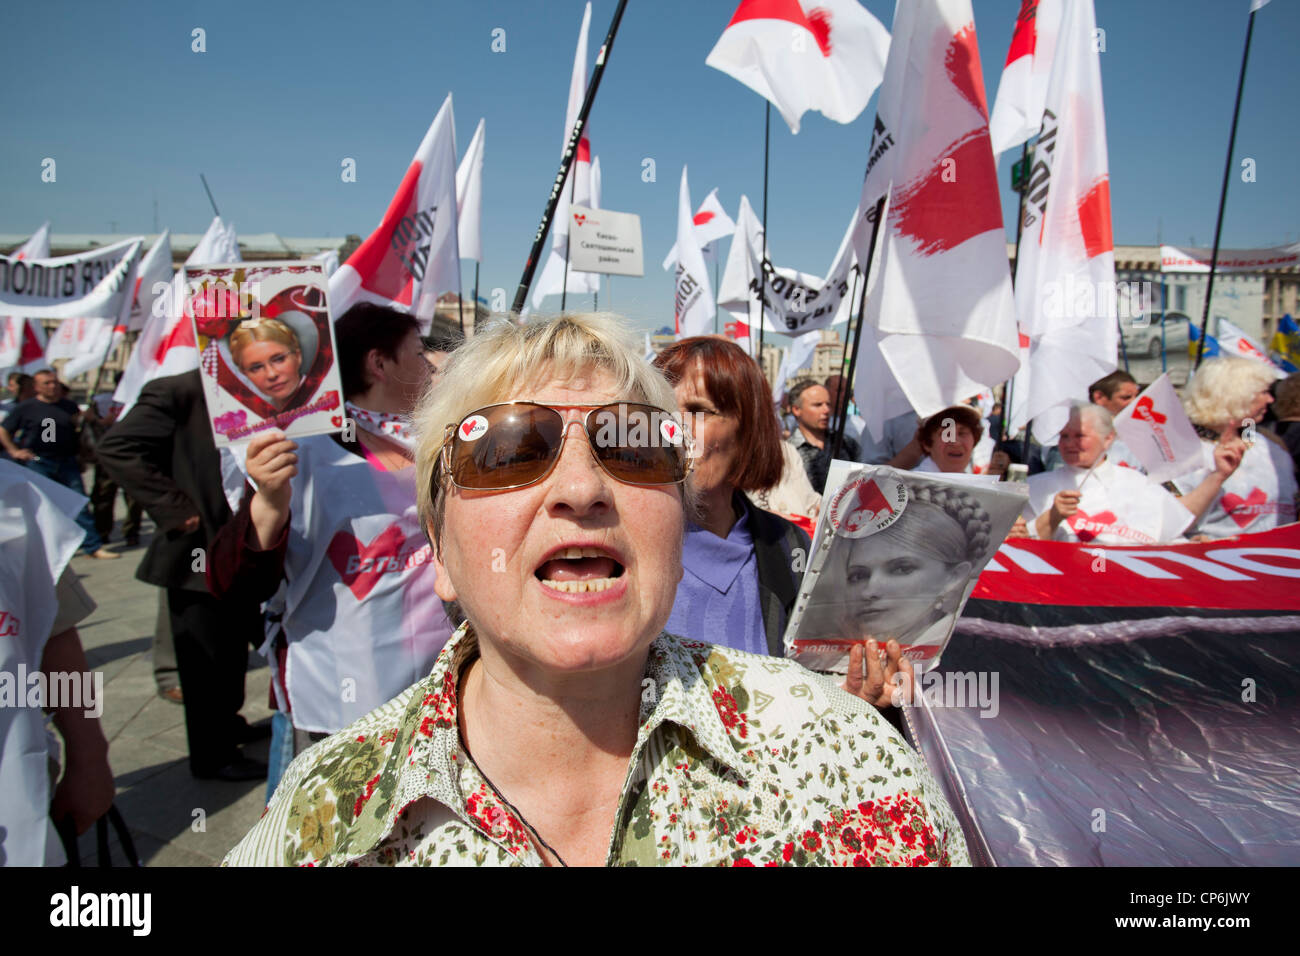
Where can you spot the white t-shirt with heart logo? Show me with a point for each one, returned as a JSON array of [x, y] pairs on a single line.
[[1258, 496], [1119, 506], [361, 617]]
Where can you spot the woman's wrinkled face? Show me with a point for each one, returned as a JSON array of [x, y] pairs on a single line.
[[577, 572], [274, 368], [889, 593], [952, 456], [716, 435], [1080, 444]]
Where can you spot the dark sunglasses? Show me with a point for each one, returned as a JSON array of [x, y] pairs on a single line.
[[514, 444]]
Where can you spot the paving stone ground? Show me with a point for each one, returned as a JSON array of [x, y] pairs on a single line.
[[174, 819]]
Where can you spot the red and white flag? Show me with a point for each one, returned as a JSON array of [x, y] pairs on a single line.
[[412, 257], [1022, 91], [469, 196], [1156, 429], [166, 344], [153, 280], [22, 343], [555, 279], [1065, 280], [693, 308], [1233, 340], [823, 55], [939, 297], [711, 224]]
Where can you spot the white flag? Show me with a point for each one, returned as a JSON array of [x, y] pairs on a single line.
[[793, 302], [823, 55], [711, 224], [940, 294], [469, 196], [1022, 91], [1233, 340], [798, 356], [154, 276], [1065, 280], [22, 343], [555, 278], [693, 309], [166, 344], [411, 258], [1157, 430]]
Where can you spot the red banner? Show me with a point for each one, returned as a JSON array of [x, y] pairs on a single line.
[[1252, 572]]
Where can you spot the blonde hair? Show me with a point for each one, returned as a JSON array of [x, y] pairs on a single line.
[[261, 330], [1222, 390], [503, 360]]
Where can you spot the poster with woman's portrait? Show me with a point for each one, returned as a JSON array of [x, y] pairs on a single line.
[[266, 349], [895, 555]]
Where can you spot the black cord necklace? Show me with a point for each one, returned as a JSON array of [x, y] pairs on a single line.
[[497, 790]]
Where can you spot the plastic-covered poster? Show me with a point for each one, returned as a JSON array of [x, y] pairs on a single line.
[[266, 349], [895, 556]]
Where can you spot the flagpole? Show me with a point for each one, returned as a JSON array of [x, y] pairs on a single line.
[[862, 304], [715, 293], [475, 294], [564, 285], [1009, 389], [762, 282], [215, 211], [840, 416], [566, 162], [1223, 195]]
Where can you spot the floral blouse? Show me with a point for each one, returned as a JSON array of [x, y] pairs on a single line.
[[740, 760]]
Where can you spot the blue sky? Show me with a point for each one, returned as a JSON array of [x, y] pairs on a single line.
[[286, 91]]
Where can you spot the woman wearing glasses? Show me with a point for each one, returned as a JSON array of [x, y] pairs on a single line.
[[561, 725]]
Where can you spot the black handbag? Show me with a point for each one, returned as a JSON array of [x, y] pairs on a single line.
[[68, 836]]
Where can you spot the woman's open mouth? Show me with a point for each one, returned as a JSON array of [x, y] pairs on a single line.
[[580, 570]]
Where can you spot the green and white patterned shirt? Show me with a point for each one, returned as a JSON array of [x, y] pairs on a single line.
[[740, 760]]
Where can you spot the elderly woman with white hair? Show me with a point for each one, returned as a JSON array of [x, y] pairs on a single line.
[[1225, 400], [1090, 499], [561, 724]]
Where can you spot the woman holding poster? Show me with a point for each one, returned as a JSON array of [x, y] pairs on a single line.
[[333, 524]]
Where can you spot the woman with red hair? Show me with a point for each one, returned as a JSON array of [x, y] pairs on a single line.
[[738, 586]]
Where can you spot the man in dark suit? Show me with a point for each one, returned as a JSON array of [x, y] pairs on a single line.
[[162, 454]]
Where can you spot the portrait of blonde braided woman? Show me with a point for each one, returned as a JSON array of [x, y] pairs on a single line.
[[903, 583], [561, 724]]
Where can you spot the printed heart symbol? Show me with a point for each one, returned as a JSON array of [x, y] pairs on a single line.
[[466, 428], [1144, 409], [361, 565], [701, 218], [579, 218], [337, 421], [1244, 510], [672, 431], [1099, 522]]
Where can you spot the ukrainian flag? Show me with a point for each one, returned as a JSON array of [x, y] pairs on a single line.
[[1284, 349]]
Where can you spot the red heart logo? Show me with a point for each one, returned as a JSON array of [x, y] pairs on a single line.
[[1144, 409], [1244, 510], [702, 217], [672, 431], [1099, 522], [466, 428], [337, 421], [361, 565], [579, 218]]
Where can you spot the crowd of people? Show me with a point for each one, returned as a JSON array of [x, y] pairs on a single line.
[[515, 613]]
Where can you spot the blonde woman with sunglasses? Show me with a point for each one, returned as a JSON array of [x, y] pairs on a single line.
[[561, 724]]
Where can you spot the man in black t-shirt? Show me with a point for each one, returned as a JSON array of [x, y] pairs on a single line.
[[41, 433]]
